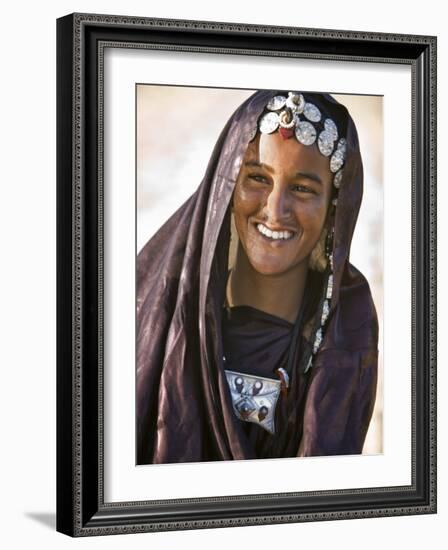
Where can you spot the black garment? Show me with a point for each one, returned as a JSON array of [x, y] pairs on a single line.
[[255, 342]]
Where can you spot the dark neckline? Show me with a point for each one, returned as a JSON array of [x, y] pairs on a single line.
[[241, 309]]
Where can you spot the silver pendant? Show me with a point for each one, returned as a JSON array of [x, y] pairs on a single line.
[[254, 398]]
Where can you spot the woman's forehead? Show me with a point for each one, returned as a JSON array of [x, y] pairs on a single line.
[[274, 152]]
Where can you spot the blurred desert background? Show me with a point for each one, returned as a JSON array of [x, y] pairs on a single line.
[[177, 128]]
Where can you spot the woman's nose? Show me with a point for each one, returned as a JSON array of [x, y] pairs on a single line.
[[277, 205]]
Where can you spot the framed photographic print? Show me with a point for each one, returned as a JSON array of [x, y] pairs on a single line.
[[246, 274]]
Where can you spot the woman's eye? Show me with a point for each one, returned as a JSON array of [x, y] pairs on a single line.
[[258, 177], [301, 189]]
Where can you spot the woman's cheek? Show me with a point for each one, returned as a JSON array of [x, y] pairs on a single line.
[[314, 210], [247, 200]]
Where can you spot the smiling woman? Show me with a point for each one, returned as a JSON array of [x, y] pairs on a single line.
[[272, 354]]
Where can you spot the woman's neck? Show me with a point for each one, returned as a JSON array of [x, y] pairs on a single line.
[[280, 295]]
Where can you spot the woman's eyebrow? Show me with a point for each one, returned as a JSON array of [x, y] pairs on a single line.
[[309, 175], [256, 164]]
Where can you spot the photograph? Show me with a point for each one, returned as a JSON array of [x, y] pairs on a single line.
[[259, 284]]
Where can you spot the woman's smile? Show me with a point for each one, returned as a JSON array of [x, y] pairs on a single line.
[[274, 234]]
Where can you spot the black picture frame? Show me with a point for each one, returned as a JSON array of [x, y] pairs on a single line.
[[81, 510]]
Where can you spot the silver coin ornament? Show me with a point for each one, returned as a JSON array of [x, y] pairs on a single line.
[[305, 132], [276, 103], [311, 112], [325, 312], [269, 123], [337, 179], [342, 146], [336, 161], [325, 143], [330, 127]]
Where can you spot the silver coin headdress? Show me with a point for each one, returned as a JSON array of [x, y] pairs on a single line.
[[293, 115]]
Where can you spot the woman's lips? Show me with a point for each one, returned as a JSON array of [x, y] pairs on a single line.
[[283, 235]]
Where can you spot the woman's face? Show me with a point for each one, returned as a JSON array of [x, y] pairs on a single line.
[[280, 202]]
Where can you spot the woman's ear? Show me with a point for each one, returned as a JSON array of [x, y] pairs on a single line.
[[318, 259]]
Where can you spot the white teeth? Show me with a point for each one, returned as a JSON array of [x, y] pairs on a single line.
[[275, 235]]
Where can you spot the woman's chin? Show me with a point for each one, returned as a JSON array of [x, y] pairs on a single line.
[[269, 267], [272, 265]]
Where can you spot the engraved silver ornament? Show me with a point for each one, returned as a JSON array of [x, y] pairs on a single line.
[[254, 398]]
